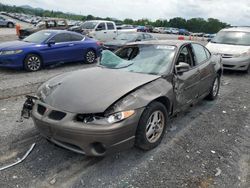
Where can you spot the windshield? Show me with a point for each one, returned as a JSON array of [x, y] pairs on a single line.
[[232, 37], [89, 25], [147, 59], [38, 37], [127, 37]]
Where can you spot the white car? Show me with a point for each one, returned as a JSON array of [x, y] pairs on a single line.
[[102, 30], [233, 44]]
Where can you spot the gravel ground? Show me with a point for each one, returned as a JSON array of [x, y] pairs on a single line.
[[207, 146]]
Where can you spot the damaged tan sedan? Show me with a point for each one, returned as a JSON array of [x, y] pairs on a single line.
[[126, 99]]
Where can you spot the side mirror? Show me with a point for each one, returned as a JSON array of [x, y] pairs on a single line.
[[209, 40], [51, 42], [182, 67], [138, 40]]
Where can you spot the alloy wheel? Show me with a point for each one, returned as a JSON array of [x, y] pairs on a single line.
[[215, 87], [90, 56], [155, 126], [33, 63]]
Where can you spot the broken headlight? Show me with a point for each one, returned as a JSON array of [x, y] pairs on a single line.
[[110, 119]]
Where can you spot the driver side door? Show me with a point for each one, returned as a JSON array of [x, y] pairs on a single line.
[[186, 84]]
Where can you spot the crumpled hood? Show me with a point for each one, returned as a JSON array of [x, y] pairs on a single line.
[[226, 48], [14, 45], [92, 90]]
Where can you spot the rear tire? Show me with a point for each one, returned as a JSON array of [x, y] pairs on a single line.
[[152, 126], [32, 63], [90, 56], [214, 91], [10, 25]]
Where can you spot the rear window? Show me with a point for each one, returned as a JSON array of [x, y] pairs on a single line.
[[76, 37], [110, 26]]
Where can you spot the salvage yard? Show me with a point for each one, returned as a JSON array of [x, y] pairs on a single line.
[[208, 146]]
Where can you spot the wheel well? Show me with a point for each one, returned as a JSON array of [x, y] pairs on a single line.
[[166, 102]]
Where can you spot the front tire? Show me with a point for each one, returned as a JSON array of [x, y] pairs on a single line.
[[90, 56], [214, 91], [32, 63], [152, 126]]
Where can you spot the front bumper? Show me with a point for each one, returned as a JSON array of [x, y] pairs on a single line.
[[12, 61], [240, 63], [89, 139]]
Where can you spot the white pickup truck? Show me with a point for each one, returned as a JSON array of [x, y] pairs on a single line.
[[102, 30]]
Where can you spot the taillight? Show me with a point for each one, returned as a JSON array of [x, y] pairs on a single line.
[[99, 43]]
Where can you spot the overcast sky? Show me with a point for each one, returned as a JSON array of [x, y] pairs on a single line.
[[235, 12]]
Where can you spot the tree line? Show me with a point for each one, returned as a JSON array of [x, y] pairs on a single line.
[[210, 25]]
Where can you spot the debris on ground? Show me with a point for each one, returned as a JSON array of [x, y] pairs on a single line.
[[212, 151], [218, 172], [53, 181], [18, 159]]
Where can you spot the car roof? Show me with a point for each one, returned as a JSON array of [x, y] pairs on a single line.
[[98, 21], [177, 43], [238, 28], [55, 31]]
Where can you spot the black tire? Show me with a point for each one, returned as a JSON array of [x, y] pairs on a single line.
[[248, 70], [90, 57], [10, 25], [32, 62], [142, 139], [213, 94]]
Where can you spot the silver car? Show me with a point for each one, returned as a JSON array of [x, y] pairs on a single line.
[[233, 44]]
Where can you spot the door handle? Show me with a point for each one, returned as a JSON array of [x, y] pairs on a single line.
[[71, 44], [105, 32], [114, 31]]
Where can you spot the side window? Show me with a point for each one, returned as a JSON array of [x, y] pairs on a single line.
[[50, 24], [110, 26], [147, 36], [139, 37], [185, 56], [61, 23], [199, 53], [101, 26], [62, 37], [76, 37]]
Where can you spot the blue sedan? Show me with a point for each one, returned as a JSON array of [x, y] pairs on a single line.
[[48, 47]]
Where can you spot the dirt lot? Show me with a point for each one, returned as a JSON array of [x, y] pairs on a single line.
[[207, 146]]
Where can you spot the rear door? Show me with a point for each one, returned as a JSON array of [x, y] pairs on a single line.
[[202, 59], [186, 85], [101, 32], [111, 32]]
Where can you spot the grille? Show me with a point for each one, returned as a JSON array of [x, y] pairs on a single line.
[[226, 55], [57, 115], [228, 66], [41, 109]]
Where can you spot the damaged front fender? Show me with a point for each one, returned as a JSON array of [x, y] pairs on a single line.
[[156, 90]]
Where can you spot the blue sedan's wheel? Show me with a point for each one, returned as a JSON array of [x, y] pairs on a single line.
[[32, 62], [90, 56]]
